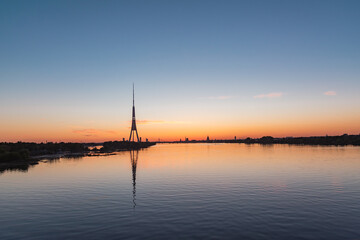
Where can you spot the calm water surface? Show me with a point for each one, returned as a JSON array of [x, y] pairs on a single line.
[[177, 191]]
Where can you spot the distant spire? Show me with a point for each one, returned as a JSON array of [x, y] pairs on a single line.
[[133, 96]]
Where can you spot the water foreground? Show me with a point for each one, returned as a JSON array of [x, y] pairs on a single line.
[[167, 191]]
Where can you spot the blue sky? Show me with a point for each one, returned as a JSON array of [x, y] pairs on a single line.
[[190, 60]]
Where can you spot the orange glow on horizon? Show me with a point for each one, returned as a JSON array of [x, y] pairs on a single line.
[[175, 132]]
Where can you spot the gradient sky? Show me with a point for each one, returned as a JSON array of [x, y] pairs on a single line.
[[217, 68]]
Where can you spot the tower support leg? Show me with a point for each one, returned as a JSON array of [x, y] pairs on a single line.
[[137, 136]]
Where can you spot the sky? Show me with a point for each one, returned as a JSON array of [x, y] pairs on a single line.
[[200, 68]]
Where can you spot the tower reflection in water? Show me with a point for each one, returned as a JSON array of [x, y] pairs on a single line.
[[134, 159]]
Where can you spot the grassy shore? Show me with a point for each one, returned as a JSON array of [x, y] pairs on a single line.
[[21, 155]]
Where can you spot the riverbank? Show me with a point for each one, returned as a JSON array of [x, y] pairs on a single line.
[[341, 140], [22, 155]]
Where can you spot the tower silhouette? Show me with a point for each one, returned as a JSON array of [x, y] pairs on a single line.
[[133, 124]]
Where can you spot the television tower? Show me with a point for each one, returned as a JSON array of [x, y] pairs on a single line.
[[133, 124]]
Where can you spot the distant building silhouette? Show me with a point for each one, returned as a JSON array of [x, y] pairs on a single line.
[[207, 139], [133, 124]]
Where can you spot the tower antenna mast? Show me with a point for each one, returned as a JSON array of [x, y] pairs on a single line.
[[133, 122]]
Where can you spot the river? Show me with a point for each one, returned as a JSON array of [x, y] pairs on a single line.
[[181, 191]]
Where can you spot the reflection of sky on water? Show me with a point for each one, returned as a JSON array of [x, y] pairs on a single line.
[[189, 190]]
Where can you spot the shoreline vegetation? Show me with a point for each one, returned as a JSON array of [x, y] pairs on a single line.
[[22, 155], [341, 140]]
